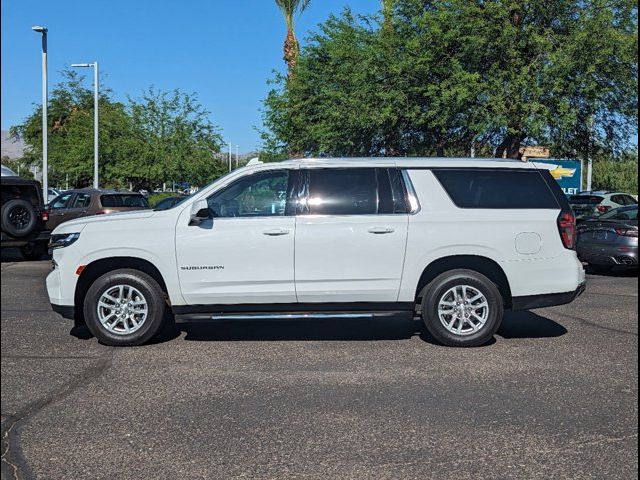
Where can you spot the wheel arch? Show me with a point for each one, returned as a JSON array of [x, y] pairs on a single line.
[[99, 267], [484, 265]]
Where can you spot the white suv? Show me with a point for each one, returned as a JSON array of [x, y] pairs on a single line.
[[456, 241]]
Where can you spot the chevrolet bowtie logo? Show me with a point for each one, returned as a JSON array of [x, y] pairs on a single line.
[[561, 172]]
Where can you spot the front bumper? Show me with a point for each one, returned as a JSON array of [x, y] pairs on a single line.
[[547, 300]]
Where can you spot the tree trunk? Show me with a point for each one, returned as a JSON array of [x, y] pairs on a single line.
[[291, 51], [510, 146]]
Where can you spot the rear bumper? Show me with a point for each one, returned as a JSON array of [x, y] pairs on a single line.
[[547, 300], [609, 255]]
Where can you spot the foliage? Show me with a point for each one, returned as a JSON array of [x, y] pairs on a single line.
[[616, 175], [163, 136], [156, 198], [451, 75]]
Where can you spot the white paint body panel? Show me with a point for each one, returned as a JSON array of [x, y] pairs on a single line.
[[340, 259], [248, 266], [322, 259]]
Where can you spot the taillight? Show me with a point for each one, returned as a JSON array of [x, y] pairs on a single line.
[[45, 216], [567, 229], [603, 208], [627, 232]]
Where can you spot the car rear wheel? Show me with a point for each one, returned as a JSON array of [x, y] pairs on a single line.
[[462, 308], [124, 308], [18, 218]]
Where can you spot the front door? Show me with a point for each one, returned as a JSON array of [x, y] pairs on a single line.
[[59, 210], [350, 242], [244, 254]]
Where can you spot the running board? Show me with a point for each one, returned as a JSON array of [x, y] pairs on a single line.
[[281, 316]]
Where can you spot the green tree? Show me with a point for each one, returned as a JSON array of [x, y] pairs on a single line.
[[172, 139], [70, 126], [449, 75], [161, 137], [291, 49]]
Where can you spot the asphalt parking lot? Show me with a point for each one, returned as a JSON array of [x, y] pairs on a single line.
[[555, 396]]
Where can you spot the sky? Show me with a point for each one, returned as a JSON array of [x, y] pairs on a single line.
[[223, 50]]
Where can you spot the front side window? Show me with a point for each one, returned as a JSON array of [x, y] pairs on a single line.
[[262, 194], [62, 201], [342, 191]]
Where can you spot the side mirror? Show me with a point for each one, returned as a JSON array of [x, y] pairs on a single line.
[[199, 212]]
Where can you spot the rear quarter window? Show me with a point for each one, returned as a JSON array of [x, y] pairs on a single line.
[[497, 188], [123, 200]]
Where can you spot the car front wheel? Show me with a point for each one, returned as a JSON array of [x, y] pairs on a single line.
[[462, 308], [124, 308]]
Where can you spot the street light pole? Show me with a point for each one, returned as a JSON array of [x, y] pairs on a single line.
[[237, 155], [96, 96], [45, 102]]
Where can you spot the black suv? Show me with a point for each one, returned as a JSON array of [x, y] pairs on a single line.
[[23, 216]]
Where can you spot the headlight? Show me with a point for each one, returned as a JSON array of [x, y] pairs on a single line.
[[62, 240]]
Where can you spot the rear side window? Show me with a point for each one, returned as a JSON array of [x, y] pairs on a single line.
[[123, 200], [349, 191], [497, 188], [82, 200]]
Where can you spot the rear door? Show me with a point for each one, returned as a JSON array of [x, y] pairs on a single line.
[[350, 236], [78, 206]]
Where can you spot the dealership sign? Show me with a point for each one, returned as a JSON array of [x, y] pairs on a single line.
[[568, 173]]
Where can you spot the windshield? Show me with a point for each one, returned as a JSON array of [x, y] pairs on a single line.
[[622, 213], [585, 199]]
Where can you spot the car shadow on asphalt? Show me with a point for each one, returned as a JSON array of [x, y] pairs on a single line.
[[622, 272], [522, 324], [13, 255]]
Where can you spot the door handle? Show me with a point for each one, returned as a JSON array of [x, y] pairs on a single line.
[[274, 232], [380, 230]]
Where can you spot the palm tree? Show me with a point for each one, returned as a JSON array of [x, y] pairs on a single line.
[[291, 8], [387, 12]]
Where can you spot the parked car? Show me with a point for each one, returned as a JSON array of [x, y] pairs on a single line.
[[51, 194], [592, 204], [456, 241], [23, 215], [169, 202], [88, 201], [610, 240]]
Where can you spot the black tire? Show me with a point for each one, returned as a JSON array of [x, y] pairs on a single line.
[[19, 218], [432, 294], [600, 269], [33, 250], [152, 293]]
